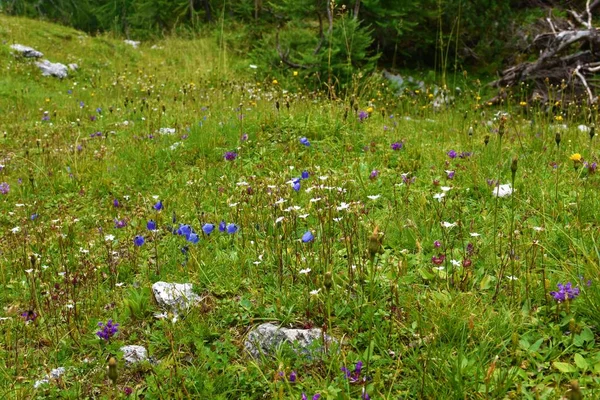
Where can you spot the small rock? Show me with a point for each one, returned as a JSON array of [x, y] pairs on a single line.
[[132, 43], [266, 338], [174, 296], [166, 131], [52, 69], [133, 354], [583, 128], [26, 51]]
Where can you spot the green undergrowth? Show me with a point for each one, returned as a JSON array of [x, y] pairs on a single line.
[[439, 288]]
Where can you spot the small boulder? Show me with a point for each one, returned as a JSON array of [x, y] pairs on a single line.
[[266, 338], [133, 354], [52, 69], [132, 43], [174, 297], [25, 51]]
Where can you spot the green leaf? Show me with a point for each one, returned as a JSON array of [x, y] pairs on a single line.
[[485, 282], [581, 362], [564, 367], [536, 346]]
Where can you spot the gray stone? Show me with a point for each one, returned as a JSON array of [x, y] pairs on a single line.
[[174, 297], [133, 354], [266, 338], [26, 51], [52, 69], [132, 43]]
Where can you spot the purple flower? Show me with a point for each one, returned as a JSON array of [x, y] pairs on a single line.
[[151, 225], [184, 230], [193, 238], [120, 223], [374, 174], [452, 154], [222, 226], [138, 240], [128, 391], [244, 137], [232, 228], [99, 110], [308, 237], [208, 228], [34, 216], [437, 244], [304, 141], [363, 115], [396, 146], [4, 188], [296, 184], [565, 292], [305, 174], [293, 376], [450, 174], [107, 330], [29, 316], [365, 395], [46, 117], [230, 156], [158, 206], [465, 154], [353, 376], [116, 203]]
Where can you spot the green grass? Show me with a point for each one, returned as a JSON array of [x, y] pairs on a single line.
[[423, 330]]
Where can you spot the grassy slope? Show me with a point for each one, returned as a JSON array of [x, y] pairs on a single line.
[[432, 334]]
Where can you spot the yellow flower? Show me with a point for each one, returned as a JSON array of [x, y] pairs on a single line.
[[295, 73], [523, 103], [575, 157], [558, 118], [430, 95], [275, 82], [369, 109]]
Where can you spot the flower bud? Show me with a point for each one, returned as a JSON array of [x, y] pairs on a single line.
[[112, 370]]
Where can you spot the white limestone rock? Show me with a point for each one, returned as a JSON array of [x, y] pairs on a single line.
[[174, 297], [26, 51], [133, 354], [266, 338], [52, 69], [132, 43]]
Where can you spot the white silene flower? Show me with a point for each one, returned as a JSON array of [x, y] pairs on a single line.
[[304, 271], [279, 219], [503, 190], [446, 224], [16, 229], [343, 206], [512, 278], [374, 197], [109, 238], [303, 216], [445, 188], [315, 292], [456, 263], [474, 234], [439, 196]]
